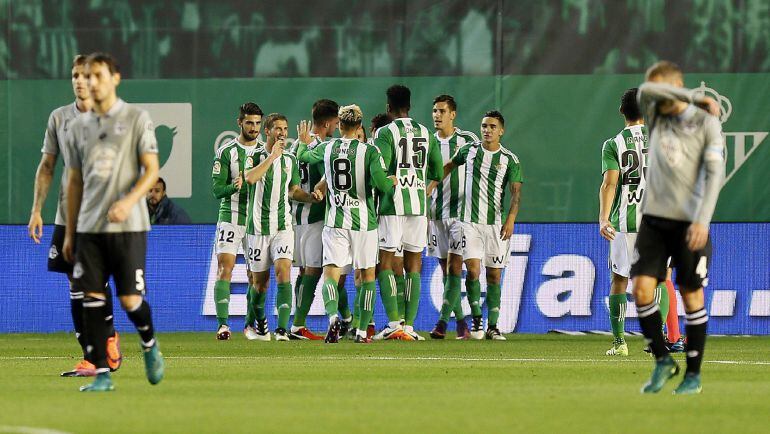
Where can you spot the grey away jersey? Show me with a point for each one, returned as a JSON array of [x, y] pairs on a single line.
[[686, 157], [106, 149], [59, 123]]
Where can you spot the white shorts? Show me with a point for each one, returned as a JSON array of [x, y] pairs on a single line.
[[483, 242], [307, 245], [264, 250], [230, 238], [344, 246], [445, 236], [408, 231], [621, 250]]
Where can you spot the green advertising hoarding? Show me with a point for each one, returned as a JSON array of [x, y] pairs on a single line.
[[554, 123]]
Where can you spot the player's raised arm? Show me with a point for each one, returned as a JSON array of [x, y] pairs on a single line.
[[256, 173]]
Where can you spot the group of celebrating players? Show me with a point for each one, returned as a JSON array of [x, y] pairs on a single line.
[[331, 205], [335, 205]]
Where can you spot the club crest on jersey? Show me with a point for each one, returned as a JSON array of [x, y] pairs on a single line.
[[217, 168], [248, 163], [120, 129]]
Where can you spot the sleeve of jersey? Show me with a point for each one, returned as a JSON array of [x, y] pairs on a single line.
[[515, 173], [145, 130], [50, 141], [461, 155], [714, 164], [435, 163], [313, 156], [72, 159], [380, 180], [295, 178], [383, 140], [610, 156], [220, 174]]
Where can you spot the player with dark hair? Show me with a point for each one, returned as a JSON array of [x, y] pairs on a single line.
[[273, 178], [113, 163], [308, 225], [412, 154], [684, 177], [445, 237], [227, 186], [59, 123], [489, 169]]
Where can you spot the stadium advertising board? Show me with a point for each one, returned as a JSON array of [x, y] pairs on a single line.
[[556, 279]]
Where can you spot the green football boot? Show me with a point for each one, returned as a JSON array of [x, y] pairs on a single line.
[[102, 383], [153, 364], [664, 370], [689, 386]]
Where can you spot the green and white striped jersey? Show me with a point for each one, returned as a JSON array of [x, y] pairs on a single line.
[[352, 170], [487, 175], [446, 200], [269, 205], [309, 175], [411, 153], [229, 162], [627, 153]]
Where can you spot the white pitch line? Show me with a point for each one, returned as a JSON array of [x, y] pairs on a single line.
[[418, 358]]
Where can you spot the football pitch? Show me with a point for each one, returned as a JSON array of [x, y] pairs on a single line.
[[531, 383]]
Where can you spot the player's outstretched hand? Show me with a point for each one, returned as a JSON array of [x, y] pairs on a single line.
[[697, 236], [67, 250], [710, 105], [238, 183], [303, 131], [119, 211], [35, 227], [507, 230], [606, 230], [318, 195]]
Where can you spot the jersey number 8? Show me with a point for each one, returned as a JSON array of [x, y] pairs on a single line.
[[341, 179]]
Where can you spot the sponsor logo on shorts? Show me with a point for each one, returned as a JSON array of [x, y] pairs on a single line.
[[77, 271]]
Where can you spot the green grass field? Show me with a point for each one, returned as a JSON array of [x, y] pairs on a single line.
[[531, 383]]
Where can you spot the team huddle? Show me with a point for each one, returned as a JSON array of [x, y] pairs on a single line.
[[334, 205]]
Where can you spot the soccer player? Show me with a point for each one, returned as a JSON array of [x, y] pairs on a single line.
[[227, 185], [308, 224], [273, 178], [113, 163], [352, 169], [412, 154], [445, 234], [685, 174], [489, 169], [624, 168], [53, 144]]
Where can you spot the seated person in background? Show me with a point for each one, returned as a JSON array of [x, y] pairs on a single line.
[[162, 210]]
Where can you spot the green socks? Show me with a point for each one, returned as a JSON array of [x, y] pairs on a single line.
[[258, 301], [342, 303], [400, 296], [329, 291], [473, 288], [283, 302], [356, 308], [305, 294], [618, 315], [366, 304], [251, 312], [493, 304], [661, 295], [388, 295], [222, 300], [451, 297], [412, 297]]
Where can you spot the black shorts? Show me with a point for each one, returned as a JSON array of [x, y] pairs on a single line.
[[120, 255], [56, 262], [660, 238]]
